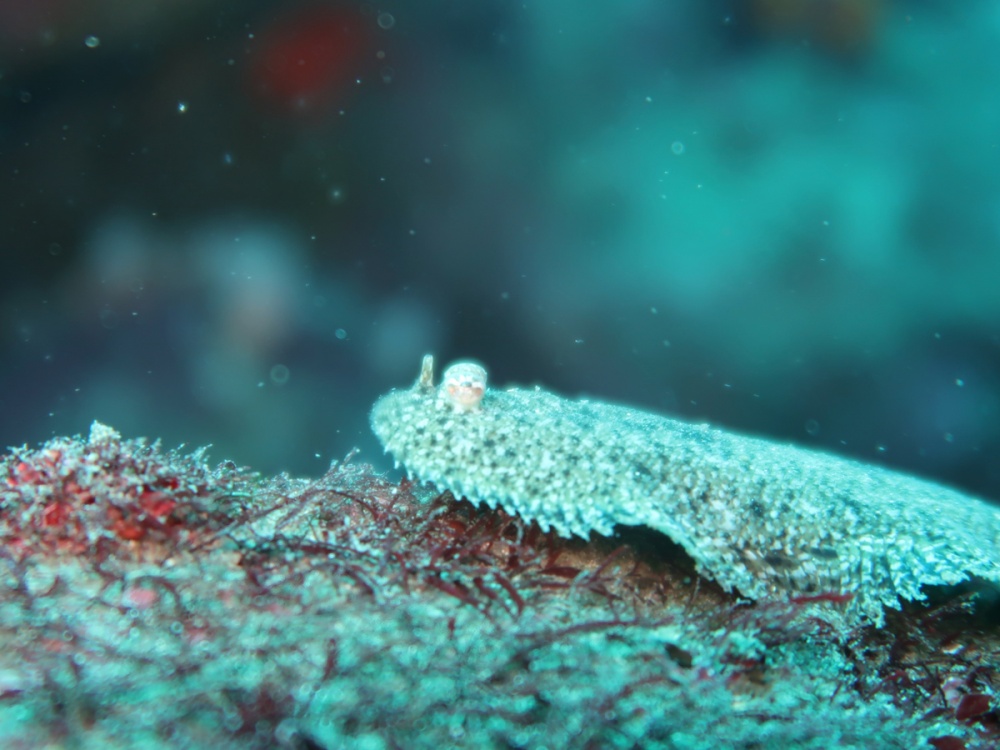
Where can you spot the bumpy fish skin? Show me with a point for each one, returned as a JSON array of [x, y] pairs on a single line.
[[766, 519]]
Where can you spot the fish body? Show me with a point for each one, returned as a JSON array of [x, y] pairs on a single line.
[[766, 519]]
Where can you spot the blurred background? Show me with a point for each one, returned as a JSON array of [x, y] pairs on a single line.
[[238, 223]]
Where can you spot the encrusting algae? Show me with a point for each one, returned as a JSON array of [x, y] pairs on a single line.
[[766, 519], [149, 600]]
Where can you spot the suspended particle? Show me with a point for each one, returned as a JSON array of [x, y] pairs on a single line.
[[280, 374]]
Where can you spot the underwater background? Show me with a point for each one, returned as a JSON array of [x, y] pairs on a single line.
[[238, 223]]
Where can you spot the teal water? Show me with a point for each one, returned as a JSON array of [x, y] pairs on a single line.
[[239, 224]]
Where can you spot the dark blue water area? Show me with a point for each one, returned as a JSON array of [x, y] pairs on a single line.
[[239, 223]]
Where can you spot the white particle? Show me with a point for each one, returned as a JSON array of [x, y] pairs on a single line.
[[280, 374]]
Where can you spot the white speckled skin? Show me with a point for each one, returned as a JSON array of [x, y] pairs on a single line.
[[764, 518]]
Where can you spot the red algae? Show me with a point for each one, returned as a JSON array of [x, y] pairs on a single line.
[[148, 599]]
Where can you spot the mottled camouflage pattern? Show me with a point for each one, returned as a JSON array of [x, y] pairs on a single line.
[[763, 518]]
